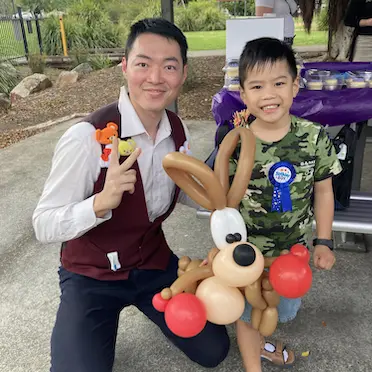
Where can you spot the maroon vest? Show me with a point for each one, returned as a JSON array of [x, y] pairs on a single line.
[[139, 242]]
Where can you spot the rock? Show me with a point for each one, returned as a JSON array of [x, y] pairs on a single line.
[[83, 69], [10, 68], [67, 78], [4, 102], [30, 84]]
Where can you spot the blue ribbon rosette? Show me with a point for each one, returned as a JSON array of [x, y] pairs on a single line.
[[281, 175]]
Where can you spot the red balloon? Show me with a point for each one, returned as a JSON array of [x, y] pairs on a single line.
[[159, 303], [290, 276], [301, 251], [185, 315]]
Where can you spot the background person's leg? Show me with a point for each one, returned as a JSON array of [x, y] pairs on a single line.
[[84, 334], [209, 348]]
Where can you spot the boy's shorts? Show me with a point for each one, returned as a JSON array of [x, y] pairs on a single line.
[[287, 309]]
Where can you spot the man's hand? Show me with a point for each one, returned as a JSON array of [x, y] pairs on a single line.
[[365, 22], [119, 179], [323, 257]]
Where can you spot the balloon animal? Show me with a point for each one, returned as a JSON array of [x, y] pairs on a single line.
[[289, 276], [215, 292]]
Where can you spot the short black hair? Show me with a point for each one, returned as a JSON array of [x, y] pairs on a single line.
[[158, 26], [262, 51]]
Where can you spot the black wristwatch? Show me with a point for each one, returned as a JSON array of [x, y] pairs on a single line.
[[326, 242]]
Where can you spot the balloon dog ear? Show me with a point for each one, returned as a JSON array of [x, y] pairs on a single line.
[[245, 164], [196, 179]]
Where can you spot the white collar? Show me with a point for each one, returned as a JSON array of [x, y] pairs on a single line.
[[131, 124]]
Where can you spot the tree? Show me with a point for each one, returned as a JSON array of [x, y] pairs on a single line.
[[6, 7], [340, 37], [46, 5]]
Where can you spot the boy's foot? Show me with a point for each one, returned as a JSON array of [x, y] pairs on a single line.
[[277, 354]]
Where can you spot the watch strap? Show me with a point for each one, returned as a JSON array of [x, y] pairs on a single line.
[[326, 242]]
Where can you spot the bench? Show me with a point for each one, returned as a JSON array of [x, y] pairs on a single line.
[[356, 219]]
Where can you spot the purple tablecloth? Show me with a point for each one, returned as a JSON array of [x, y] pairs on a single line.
[[325, 107]]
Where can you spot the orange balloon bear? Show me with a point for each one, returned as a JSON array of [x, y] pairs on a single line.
[[104, 136]]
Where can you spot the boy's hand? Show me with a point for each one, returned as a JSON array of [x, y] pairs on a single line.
[[204, 263], [324, 258]]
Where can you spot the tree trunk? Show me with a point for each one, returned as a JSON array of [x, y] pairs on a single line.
[[340, 43]]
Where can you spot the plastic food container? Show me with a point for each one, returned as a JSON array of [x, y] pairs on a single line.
[[232, 84], [232, 71], [359, 79], [231, 68], [334, 81], [232, 62], [315, 79], [355, 81], [367, 76]]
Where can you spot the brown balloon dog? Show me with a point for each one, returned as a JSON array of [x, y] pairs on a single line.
[[235, 268]]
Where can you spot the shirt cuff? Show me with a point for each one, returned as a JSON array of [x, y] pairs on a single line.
[[84, 212]]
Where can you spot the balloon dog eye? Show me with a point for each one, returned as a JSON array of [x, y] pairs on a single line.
[[232, 238], [227, 227], [238, 237]]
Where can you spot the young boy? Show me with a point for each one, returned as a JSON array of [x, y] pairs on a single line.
[[290, 152]]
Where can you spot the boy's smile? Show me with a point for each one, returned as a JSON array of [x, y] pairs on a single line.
[[268, 92]]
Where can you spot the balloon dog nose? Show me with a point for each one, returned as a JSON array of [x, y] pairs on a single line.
[[244, 255]]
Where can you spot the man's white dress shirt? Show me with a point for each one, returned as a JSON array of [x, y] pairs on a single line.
[[65, 209]]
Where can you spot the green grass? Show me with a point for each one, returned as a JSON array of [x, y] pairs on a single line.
[[10, 45], [215, 40]]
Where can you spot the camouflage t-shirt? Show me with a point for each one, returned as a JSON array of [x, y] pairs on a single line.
[[308, 148]]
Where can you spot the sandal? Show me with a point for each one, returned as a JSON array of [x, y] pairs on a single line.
[[277, 354]]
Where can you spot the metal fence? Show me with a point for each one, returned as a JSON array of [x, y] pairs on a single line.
[[20, 35]]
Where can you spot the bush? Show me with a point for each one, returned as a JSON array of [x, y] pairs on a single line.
[[322, 20], [115, 9], [200, 16], [99, 62], [51, 35], [134, 11], [97, 29], [36, 62], [211, 19], [87, 26], [237, 8], [79, 54], [8, 77]]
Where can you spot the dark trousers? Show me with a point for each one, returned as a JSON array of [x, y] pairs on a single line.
[[84, 334]]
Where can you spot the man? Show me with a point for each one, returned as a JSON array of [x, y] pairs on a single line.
[[108, 210]]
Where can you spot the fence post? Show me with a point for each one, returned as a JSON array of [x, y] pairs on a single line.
[[63, 36], [39, 39], [19, 9]]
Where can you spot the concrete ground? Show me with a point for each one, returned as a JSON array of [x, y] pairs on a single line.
[[334, 324]]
